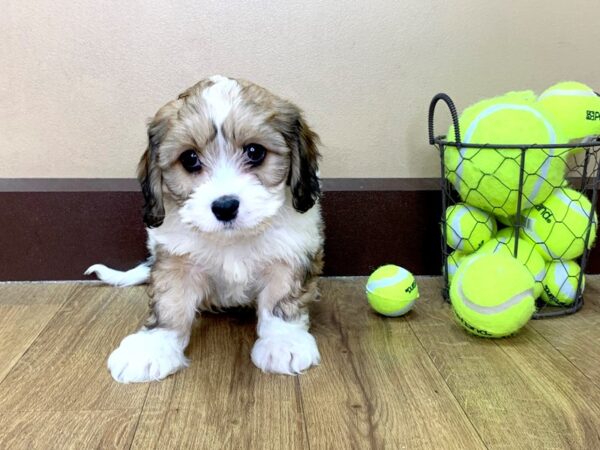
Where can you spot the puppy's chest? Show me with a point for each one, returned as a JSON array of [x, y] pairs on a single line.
[[235, 277]]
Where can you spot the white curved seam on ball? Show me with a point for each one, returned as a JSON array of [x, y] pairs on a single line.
[[572, 204], [468, 263], [529, 231], [566, 92], [459, 170], [400, 276], [401, 311], [540, 275], [546, 165], [562, 280], [452, 268], [501, 241], [486, 310], [456, 237]]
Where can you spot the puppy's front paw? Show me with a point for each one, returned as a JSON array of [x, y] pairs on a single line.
[[147, 355], [286, 354]]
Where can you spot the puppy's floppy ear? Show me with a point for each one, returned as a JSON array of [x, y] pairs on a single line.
[[149, 172], [303, 178], [150, 178]]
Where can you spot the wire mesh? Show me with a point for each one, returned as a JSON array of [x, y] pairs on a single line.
[[526, 200]]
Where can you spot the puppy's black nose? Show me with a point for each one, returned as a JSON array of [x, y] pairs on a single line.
[[225, 208]]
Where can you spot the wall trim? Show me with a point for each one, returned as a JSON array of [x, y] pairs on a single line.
[[53, 229]]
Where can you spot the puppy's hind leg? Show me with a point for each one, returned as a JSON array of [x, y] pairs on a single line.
[[157, 350]]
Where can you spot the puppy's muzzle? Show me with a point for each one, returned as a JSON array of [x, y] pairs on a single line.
[[225, 208]]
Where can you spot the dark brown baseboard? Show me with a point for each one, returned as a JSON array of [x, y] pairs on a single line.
[[53, 229]]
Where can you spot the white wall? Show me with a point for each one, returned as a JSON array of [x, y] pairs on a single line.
[[80, 78]]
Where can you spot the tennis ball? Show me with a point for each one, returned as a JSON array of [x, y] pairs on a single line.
[[559, 226], [520, 96], [560, 283], [492, 295], [454, 260], [504, 242], [392, 290], [489, 178], [506, 220], [468, 228], [574, 107]]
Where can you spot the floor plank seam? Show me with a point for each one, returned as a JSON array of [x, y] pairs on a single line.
[[359, 381], [139, 418], [449, 388], [304, 418]]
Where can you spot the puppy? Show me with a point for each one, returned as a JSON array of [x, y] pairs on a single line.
[[231, 189]]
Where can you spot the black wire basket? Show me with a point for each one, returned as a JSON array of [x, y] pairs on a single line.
[[582, 175]]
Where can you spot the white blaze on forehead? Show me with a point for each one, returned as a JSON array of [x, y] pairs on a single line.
[[220, 98], [224, 174]]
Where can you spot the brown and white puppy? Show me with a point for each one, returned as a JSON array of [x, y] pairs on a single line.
[[231, 188]]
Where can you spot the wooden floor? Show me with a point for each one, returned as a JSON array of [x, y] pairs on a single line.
[[412, 382]]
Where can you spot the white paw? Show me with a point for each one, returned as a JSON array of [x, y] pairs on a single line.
[[287, 354], [147, 355]]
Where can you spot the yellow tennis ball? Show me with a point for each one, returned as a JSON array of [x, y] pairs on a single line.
[[392, 290], [489, 178], [454, 260], [504, 242], [559, 226], [506, 220], [468, 228], [560, 283], [574, 107], [527, 96], [492, 295]]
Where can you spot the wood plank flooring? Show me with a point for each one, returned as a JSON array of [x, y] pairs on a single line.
[[413, 382]]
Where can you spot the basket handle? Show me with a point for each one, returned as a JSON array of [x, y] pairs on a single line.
[[452, 109]]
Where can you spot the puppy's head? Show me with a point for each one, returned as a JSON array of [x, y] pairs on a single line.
[[228, 154]]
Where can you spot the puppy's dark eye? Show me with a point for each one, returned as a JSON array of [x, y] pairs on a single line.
[[255, 153], [190, 161]]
